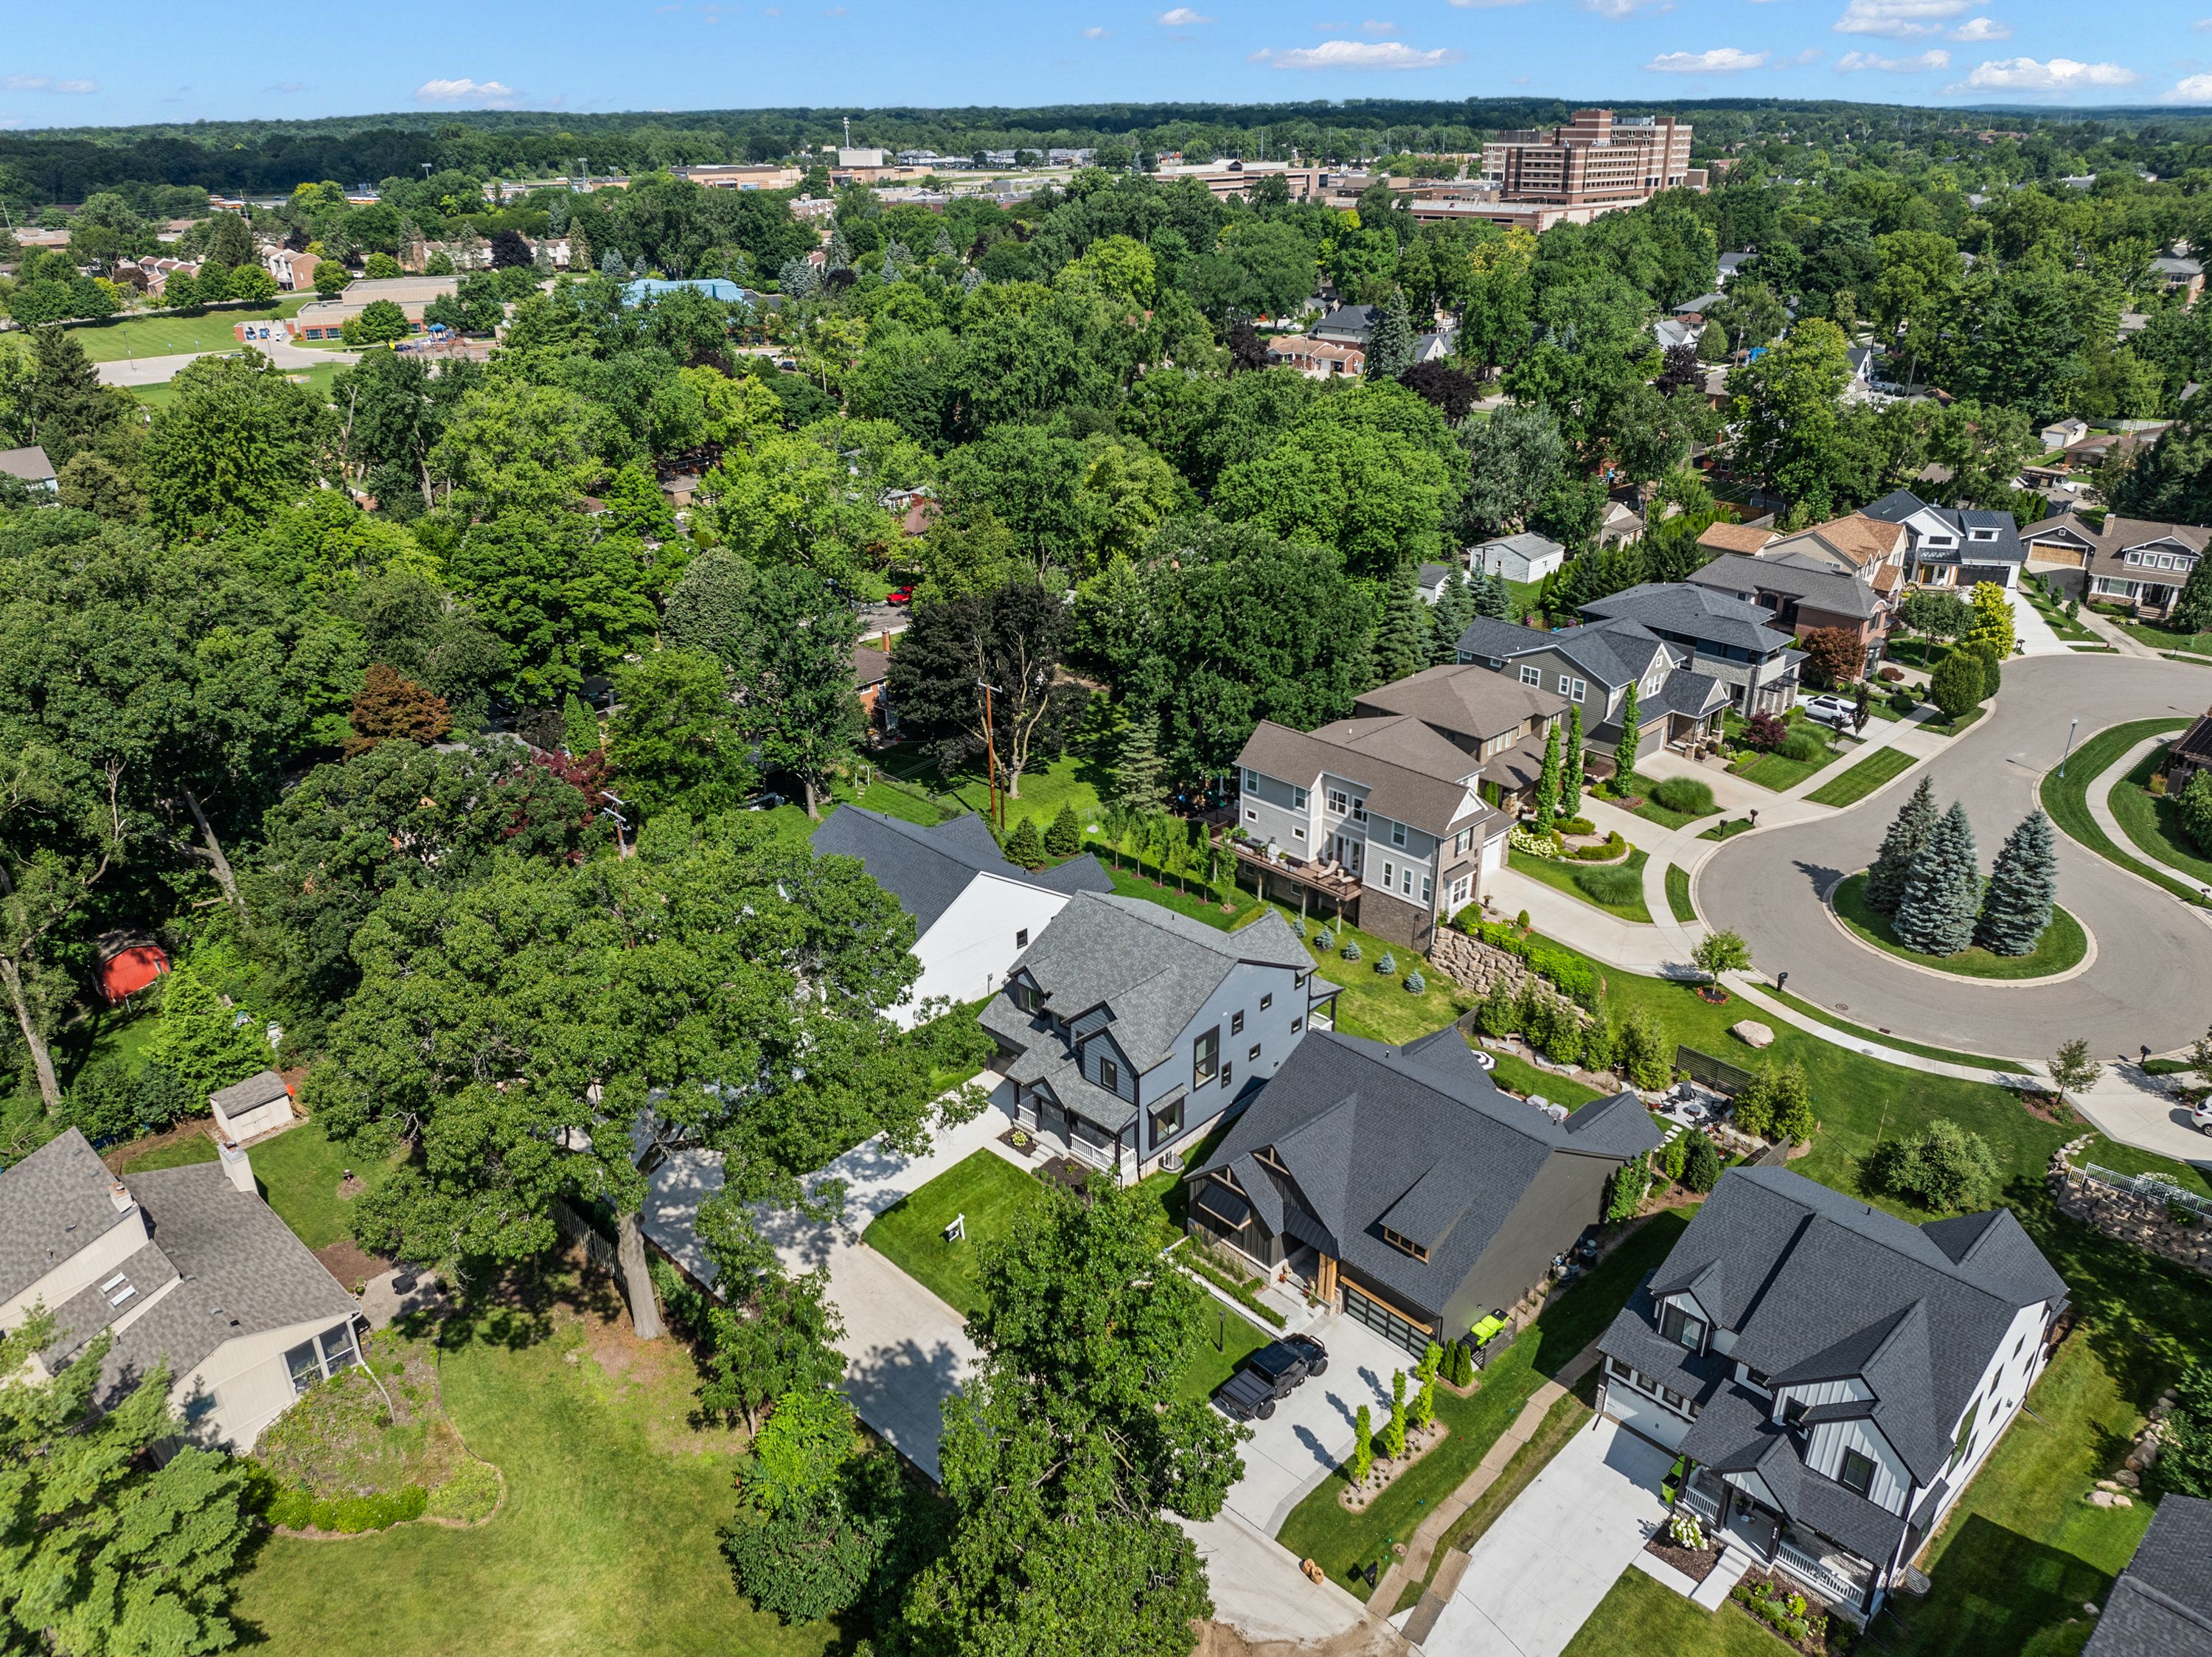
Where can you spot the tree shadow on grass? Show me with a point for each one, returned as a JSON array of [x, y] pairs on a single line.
[[1995, 1591], [518, 1307]]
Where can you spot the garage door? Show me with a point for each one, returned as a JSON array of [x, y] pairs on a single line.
[[1385, 1322]]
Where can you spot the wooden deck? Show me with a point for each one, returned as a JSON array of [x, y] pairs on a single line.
[[1333, 883]]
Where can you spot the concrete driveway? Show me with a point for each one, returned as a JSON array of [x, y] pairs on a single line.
[[2155, 955], [1311, 1431], [1539, 1572]]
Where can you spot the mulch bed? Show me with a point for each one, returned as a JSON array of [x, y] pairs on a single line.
[[2050, 1107], [1694, 1564], [350, 1263], [1707, 993], [1420, 1441], [1025, 1146]]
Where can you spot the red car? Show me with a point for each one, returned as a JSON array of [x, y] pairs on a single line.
[[899, 595]]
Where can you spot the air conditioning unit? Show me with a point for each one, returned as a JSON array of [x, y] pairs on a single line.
[[1171, 1161]]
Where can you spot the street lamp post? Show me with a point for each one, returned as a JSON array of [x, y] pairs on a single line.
[[2070, 729]]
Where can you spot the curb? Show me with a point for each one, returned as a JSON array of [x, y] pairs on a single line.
[[2089, 961]]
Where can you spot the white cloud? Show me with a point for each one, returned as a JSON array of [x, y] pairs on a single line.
[[46, 83], [1094, 33], [2202, 25], [1181, 17], [1464, 3], [1618, 9], [2026, 75], [464, 90], [1898, 20], [1358, 54], [77, 86], [1810, 55], [1721, 60], [1851, 62], [1982, 28], [1376, 26], [2196, 90]]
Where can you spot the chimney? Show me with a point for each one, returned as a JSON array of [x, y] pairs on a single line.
[[239, 1166], [119, 1194]]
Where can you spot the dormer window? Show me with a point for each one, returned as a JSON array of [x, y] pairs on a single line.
[[1856, 1473], [1359, 809], [1404, 1245], [1679, 1327], [1024, 995]]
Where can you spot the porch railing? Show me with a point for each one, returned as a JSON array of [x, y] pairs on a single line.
[[1701, 1502], [1819, 1574], [2151, 1186]]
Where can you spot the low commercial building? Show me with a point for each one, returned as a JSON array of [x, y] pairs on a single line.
[[326, 319], [186, 1267], [1401, 1187]]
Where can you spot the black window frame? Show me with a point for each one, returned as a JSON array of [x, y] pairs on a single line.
[[1686, 1320], [1205, 1057], [1236, 1023], [1844, 1471], [1109, 1075], [1167, 1121]]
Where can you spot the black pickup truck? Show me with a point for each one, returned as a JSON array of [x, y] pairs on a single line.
[[1270, 1374]]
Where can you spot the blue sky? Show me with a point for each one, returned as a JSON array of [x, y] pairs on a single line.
[[144, 61]]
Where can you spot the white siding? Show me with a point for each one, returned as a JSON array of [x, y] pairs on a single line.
[[1824, 1454], [93, 1262], [966, 954], [2012, 1369], [243, 1384], [1645, 1415]]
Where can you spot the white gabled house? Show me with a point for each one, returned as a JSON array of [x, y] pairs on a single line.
[[1832, 1376]]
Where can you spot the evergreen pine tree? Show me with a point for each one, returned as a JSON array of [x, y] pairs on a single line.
[[1138, 767], [1455, 610], [1547, 783], [1025, 845], [1401, 647], [2017, 906], [1942, 889], [1632, 733], [1065, 838], [1493, 598], [1571, 779], [2192, 611], [579, 728], [1885, 884], [1390, 344]]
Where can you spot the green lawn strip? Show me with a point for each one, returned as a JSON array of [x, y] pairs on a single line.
[[1650, 810], [606, 1540], [1169, 1196], [1883, 765], [1678, 893], [1077, 782], [1771, 770], [1561, 871], [2066, 798], [1952, 727], [173, 335], [2063, 945], [1643, 1618], [2165, 639], [1561, 1422], [1377, 1005], [2127, 1159], [1192, 899], [910, 1233], [1857, 1100], [177, 1154], [1727, 829], [1945, 1054], [1340, 1542], [1516, 1076], [1228, 1339], [2151, 821]]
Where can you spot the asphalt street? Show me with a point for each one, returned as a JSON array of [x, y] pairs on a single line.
[[2151, 982]]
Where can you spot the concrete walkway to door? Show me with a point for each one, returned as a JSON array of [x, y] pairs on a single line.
[[1539, 1572]]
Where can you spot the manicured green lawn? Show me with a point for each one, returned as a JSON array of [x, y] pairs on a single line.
[[1568, 877], [1377, 1005], [1883, 765], [1342, 1542], [1640, 1618], [2126, 1158], [985, 1187], [1076, 781], [1771, 770], [1131, 881], [606, 1541], [1516, 1076], [298, 1173], [1813, 1010], [2064, 943], [1649, 809], [1952, 727], [2151, 821], [2164, 638], [1678, 893], [2067, 798], [1727, 829], [171, 336], [1239, 1337]]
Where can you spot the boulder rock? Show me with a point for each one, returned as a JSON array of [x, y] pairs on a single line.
[[2099, 1498], [2131, 1481], [1752, 1034], [2123, 1502]]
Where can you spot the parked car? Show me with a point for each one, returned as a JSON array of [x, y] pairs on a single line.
[[1268, 1376], [1832, 710], [768, 800], [899, 595], [2200, 1114]]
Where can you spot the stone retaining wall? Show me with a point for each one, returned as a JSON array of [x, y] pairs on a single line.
[[2140, 1220], [1474, 964]]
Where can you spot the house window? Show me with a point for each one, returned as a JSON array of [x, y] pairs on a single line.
[[1462, 841], [1359, 809], [1167, 1121], [1390, 874], [1397, 834], [1237, 1024], [1620, 1369], [1226, 1070], [1793, 1411], [1856, 1474], [1532, 676], [1267, 1001], [1565, 681], [1462, 889], [1652, 685], [1679, 1326], [306, 1368], [1251, 782], [1406, 1245], [1251, 815], [1297, 1025], [1297, 799], [1025, 997], [1581, 690], [1205, 1056], [1337, 802], [1758, 1377], [1253, 1057], [1297, 834], [1427, 882], [1110, 1074], [1964, 1441], [1022, 939]]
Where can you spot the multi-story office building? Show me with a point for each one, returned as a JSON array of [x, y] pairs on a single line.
[[1596, 158]]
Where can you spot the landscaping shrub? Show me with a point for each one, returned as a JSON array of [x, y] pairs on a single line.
[[1903, 701], [1415, 982], [1802, 745], [1577, 825], [1764, 733], [1500, 1012], [1614, 849], [2193, 806], [348, 1515], [1674, 1156], [1891, 675], [1645, 1055], [1701, 1161], [1616, 886], [1626, 1190], [1324, 940], [1388, 965], [1687, 794], [1944, 1166], [1352, 950], [1298, 926]]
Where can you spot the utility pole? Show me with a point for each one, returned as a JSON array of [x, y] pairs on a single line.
[[991, 756]]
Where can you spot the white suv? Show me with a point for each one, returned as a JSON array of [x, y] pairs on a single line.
[[1831, 711]]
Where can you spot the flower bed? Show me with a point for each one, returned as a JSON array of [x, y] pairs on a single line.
[[1420, 1441], [1800, 1620], [1696, 1563]]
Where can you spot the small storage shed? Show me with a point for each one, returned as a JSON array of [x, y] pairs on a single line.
[[259, 1105]]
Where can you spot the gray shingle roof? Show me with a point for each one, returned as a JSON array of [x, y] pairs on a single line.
[[1411, 774], [53, 1203], [1689, 694], [250, 1094], [1464, 697], [30, 464], [1824, 588], [1152, 967], [1701, 613], [1902, 503], [2162, 1606], [1431, 577], [1816, 1286], [927, 869], [1418, 1138], [1611, 654]]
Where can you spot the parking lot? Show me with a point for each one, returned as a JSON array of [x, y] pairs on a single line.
[[1311, 1430]]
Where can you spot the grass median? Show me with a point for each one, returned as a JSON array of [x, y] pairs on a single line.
[[2067, 799], [1678, 893], [2064, 944], [2153, 822], [1882, 766]]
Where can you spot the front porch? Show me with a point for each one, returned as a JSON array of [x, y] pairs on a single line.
[[1734, 1518], [1059, 1131]]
